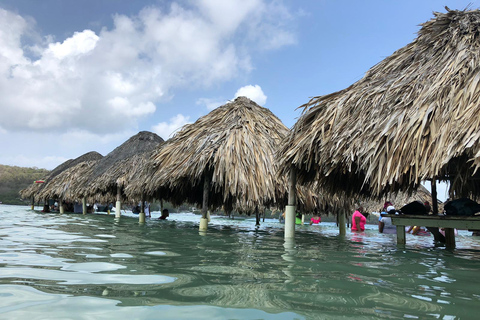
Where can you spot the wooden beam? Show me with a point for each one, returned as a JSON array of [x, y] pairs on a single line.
[[205, 216], [434, 196], [342, 230], [464, 222], [206, 189], [141, 214], [292, 187]]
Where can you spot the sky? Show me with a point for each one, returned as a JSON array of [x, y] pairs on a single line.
[[80, 76]]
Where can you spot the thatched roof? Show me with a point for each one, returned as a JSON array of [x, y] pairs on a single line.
[[62, 185], [122, 174], [89, 156], [412, 117], [234, 146], [34, 189], [139, 143], [115, 168]]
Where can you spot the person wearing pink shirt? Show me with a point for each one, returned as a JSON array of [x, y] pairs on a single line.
[[315, 219], [358, 220]]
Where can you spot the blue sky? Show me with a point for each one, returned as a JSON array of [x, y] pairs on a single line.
[[78, 76]]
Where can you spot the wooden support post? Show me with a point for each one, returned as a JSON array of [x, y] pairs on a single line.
[[342, 230], [142, 205], [33, 202], [257, 217], [292, 201], [118, 205], [60, 205], [450, 238], [141, 215], [401, 239], [434, 196], [206, 189], [205, 214], [84, 205]]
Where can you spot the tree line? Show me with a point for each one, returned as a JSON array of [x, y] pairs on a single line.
[[13, 179]]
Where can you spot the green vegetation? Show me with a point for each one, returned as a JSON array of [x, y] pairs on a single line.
[[13, 179]]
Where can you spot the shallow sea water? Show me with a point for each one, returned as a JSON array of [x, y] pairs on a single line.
[[72, 266]]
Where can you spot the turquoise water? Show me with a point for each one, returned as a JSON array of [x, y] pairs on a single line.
[[72, 266]]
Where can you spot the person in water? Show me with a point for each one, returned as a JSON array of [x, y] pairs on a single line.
[[358, 220], [298, 218], [147, 210], [385, 223], [164, 215], [315, 219]]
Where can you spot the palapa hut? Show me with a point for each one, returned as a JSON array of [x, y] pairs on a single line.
[[412, 117], [62, 186], [35, 189], [124, 173], [225, 159], [109, 174]]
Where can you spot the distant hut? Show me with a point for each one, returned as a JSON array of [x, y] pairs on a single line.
[[108, 175], [225, 159], [34, 189], [412, 117], [62, 186]]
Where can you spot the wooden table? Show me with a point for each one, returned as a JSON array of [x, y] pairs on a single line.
[[441, 221]]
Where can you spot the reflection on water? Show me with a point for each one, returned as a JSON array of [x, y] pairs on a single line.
[[98, 267]]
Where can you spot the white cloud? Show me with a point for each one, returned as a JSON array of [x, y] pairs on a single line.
[[228, 15], [254, 93], [48, 150], [122, 74], [211, 104], [79, 44], [12, 27], [167, 129]]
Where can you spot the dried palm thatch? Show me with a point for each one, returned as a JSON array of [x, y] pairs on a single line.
[[34, 189], [61, 186], [115, 168], [412, 117], [30, 191], [234, 147], [122, 174]]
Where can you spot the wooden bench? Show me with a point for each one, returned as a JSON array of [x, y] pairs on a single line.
[[441, 221]]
